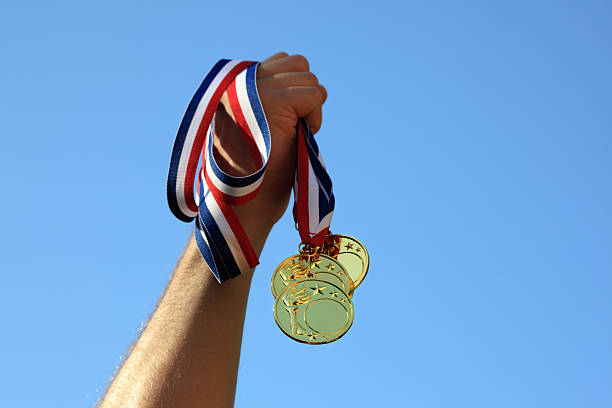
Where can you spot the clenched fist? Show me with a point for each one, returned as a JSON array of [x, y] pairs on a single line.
[[288, 91]]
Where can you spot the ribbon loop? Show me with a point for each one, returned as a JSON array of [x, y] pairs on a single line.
[[220, 237]]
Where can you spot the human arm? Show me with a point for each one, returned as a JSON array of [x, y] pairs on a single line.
[[188, 354]]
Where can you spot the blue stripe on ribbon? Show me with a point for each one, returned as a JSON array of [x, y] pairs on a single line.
[[313, 154], [322, 182], [221, 251], [320, 173], [180, 141], [226, 178], [206, 252], [310, 137], [326, 206], [232, 181], [251, 85]]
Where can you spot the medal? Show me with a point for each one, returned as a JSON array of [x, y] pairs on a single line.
[[313, 289], [313, 311], [351, 253], [317, 266]]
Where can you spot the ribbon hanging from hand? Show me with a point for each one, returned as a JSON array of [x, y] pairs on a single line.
[[219, 235]]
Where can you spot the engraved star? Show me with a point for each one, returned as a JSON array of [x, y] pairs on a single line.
[[330, 267], [357, 249], [349, 245], [315, 264], [334, 293], [318, 289], [325, 337], [343, 300], [312, 336]]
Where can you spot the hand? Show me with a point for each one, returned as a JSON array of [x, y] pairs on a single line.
[[288, 91], [196, 316]]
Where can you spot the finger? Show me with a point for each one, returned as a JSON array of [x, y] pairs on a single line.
[[288, 79], [276, 56], [291, 63], [314, 120], [303, 99], [323, 92]]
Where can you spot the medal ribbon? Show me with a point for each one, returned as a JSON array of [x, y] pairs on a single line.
[[219, 235], [312, 190]]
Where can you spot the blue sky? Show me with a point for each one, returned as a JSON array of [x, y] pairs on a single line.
[[469, 144]]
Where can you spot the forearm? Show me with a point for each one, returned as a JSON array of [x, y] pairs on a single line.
[[189, 352], [188, 355]]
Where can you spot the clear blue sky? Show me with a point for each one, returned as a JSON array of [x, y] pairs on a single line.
[[470, 144]]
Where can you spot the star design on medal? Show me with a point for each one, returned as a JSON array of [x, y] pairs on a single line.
[[330, 267], [349, 245], [312, 336], [318, 289], [334, 293], [315, 264]]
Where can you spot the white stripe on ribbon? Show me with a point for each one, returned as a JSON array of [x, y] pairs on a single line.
[[227, 232], [220, 185], [313, 201], [191, 135], [249, 116]]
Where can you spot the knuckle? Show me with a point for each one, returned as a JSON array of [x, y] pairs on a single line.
[[311, 78], [265, 93], [300, 62], [323, 92]]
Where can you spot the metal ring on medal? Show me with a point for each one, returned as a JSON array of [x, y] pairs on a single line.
[[313, 311], [354, 257], [299, 267]]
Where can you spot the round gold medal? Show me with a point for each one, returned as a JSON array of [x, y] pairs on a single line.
[[299, 267], [352, 254], [313, 311]]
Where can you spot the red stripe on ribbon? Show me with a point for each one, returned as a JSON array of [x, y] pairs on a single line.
[[232, 95], [239, 233], [201, 133], [303, 216], [221, 196], [302, 176]]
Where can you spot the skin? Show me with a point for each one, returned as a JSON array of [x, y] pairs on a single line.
[[188, 354]]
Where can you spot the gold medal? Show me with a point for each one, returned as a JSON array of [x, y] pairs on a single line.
[[313, 289], [313, 311], [351, 253], [317, 266]]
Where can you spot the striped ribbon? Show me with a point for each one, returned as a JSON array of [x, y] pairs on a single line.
[[219, 235]]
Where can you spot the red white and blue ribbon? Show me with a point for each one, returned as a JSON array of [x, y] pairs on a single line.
[[312, 190], [220, 237]]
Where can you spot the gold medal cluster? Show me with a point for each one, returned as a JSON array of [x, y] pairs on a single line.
[[313, 290]]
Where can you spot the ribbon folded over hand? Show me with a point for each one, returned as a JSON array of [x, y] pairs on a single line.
[[219, 234]]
